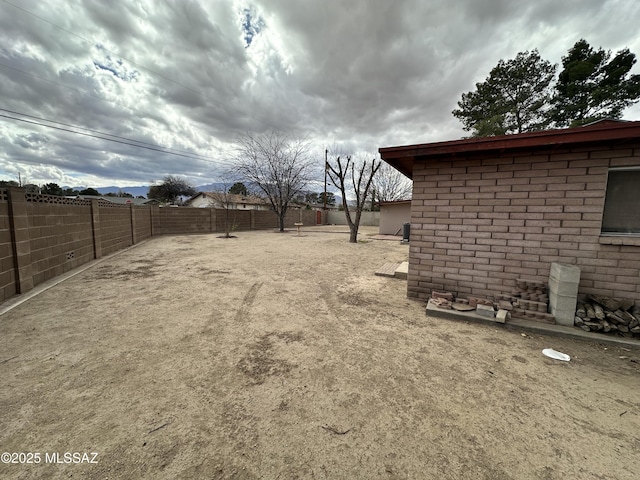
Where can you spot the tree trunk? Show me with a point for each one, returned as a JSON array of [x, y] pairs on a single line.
[[353, 237], [281, 221]]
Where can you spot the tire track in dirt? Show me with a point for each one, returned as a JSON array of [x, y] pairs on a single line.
[[247, 301]]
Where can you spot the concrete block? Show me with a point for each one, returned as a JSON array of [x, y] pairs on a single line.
[[485, 311], [563, 292], [558, 302], [562, 288], [565, 273], [563, 309], [402, 271], [502, 316]]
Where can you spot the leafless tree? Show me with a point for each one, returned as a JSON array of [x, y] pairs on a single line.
[[278, 164], [344, 175], [224, 199], [390, 185]]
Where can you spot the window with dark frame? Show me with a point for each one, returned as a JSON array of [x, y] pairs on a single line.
[[622, 202]]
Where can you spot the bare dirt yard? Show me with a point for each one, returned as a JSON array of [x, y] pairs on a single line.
[[279, 356]]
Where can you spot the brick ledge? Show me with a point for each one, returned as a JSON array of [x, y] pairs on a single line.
[[619, 240]]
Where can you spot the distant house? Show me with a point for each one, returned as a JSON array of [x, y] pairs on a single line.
[[486, 211], [393, 215], [118, 200], [227, 200]]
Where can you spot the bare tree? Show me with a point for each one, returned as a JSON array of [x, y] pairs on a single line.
[[224, 199], [390, 185], [278, 164], [344, 175]]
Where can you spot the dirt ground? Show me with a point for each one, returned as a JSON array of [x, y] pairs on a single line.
[[280, 356]]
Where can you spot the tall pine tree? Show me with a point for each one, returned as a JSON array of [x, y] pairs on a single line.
[[592, 85], [513, 99]]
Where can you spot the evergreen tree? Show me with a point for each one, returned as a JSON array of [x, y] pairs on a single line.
[[238, 188], [170, 189], [513, 99], [592, 85]]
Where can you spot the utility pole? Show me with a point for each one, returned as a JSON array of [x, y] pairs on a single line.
[[326, 165]]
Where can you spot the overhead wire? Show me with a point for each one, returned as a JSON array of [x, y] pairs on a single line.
[[167, 149], [108, 139], [103, 135], [82, 92]]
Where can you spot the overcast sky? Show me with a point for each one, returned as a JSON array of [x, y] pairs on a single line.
[[192, 75]]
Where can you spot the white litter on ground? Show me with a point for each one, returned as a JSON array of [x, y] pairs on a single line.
[[551, 353]]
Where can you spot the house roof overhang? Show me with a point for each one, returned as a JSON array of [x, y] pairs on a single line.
[[395, 202], [402, 158]]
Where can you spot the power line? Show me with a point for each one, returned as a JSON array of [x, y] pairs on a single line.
[[108, 134], [109, 139], [82, 92]]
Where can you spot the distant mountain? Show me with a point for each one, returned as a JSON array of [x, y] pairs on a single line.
[[213, 187], [142, 190]]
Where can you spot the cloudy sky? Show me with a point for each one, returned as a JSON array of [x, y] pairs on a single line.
[[190, 76]]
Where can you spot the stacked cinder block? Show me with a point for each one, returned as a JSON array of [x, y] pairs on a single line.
[[563, 292], [530, 301]]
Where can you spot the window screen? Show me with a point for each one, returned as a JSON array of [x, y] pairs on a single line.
[[622, 202]]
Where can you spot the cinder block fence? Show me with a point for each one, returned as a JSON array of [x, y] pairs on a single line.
[[44, 236]]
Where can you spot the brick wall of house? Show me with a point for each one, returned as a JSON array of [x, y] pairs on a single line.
[[478, 223]]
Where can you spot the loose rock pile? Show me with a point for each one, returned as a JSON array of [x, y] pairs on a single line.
[[595, 313]]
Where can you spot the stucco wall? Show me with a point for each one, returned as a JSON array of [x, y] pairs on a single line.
[[393, 216], [478, 223], [368, 219]]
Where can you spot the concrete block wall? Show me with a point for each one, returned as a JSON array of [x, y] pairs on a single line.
[[264, 220], [179, 220], [478, 223], [7, 265], [60, 236], [238, 220], [116, 231], [44, 236], [142, 223], [243, 219], [307, 217]]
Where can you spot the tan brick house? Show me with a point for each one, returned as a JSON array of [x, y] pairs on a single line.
[[486, 211]]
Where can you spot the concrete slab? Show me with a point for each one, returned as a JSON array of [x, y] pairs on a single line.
[[388, 270], [396, 238], [402, 271], [535, 327]]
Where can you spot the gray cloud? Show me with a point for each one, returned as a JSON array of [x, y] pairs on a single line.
[[192, 75]]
